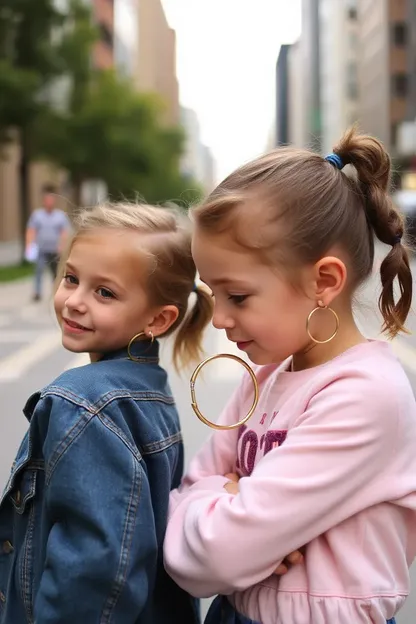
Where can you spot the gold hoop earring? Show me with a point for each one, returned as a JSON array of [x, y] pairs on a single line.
[[320, 306], [129, 353], [194, 402]]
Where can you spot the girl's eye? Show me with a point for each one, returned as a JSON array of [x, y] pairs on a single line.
[[237, 299], [70, 279], [105, 293]]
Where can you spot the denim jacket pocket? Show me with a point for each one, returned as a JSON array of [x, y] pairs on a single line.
[[23, 490], [20, 494]]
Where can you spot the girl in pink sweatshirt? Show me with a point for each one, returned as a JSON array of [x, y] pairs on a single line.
[[328, 460]]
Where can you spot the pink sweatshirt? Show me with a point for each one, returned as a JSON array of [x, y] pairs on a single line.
[[328, 460]]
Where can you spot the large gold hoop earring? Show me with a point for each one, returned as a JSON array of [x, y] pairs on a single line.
[[308, 322], [194, 402], [139, 335]]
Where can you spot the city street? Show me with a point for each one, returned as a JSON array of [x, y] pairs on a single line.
[[31, 356]]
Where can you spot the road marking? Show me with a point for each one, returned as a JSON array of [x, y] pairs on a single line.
[[18, 335], [19, 362], [38, 313]]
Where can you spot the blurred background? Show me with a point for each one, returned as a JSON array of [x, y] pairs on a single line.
[[160, 99]]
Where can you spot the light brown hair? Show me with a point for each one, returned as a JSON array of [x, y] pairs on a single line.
[[292, 206], [172, 272]]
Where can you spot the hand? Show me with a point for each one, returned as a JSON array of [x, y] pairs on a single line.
[[294, 558], [232, 485]]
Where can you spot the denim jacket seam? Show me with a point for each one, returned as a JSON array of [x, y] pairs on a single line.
[[25, 575], [112, 395], [161, 445], [63, 393], [109, 424], [143, 395], [63, 445], [128, 532]]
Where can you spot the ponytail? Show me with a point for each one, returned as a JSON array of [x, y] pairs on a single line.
[[373, 170], [188, 339]]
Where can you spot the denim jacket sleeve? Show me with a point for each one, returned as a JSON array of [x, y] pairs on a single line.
[[101, 549]]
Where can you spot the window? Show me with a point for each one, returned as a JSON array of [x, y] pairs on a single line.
[[399, 33], [400, 85], [106, 34]]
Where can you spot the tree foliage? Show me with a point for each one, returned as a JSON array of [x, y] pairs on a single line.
[[93, 124]]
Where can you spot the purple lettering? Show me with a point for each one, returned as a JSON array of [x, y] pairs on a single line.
[[273, 439], [241, 430], [248, 452]]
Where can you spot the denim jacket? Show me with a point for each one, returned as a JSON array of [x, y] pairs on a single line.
[[83, 515]]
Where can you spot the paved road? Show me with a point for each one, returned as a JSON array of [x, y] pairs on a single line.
[[31, 355]]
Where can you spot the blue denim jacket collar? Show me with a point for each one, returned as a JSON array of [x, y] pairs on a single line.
[[143, 350]]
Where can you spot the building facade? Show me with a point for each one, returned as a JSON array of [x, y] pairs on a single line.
[[282, 97], [296, 103], [386, 66], [338, 69], [156, 66], [126, 36], [311, 77], [197, 161]]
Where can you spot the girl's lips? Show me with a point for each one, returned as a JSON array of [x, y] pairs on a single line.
[[73, 327], [244, 345]]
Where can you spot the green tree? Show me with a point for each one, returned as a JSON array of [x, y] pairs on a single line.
[[109, 131], [28, 64]]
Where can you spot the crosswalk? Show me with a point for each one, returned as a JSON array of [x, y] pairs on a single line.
[[28, 336]]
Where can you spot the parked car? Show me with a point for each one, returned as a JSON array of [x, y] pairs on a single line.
[[405, 200]]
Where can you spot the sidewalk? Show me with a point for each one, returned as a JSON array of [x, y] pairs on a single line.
[[9, 253], [15, 294]]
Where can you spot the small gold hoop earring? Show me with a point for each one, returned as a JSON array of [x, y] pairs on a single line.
[[194, 402], [308, 322], [136, 337]]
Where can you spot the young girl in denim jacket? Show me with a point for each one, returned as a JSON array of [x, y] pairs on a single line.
[[328, 458], [83, 515]]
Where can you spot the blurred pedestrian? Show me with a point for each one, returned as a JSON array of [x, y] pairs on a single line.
[[46, 234]]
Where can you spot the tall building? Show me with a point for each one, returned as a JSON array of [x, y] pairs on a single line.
[[338, 25], [409, 34], [385, 60], [197, 160], [310, 65], [296, 103], [156, 67], [282, 97], [103, 13], [126, 35]]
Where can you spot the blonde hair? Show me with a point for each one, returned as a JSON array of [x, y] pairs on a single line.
[[172, 271], [292, 206]]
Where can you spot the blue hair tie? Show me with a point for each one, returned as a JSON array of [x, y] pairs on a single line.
[[335, 160], [195, 287]]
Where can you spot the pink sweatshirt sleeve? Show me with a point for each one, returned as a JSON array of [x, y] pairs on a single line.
[[331, 466]]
